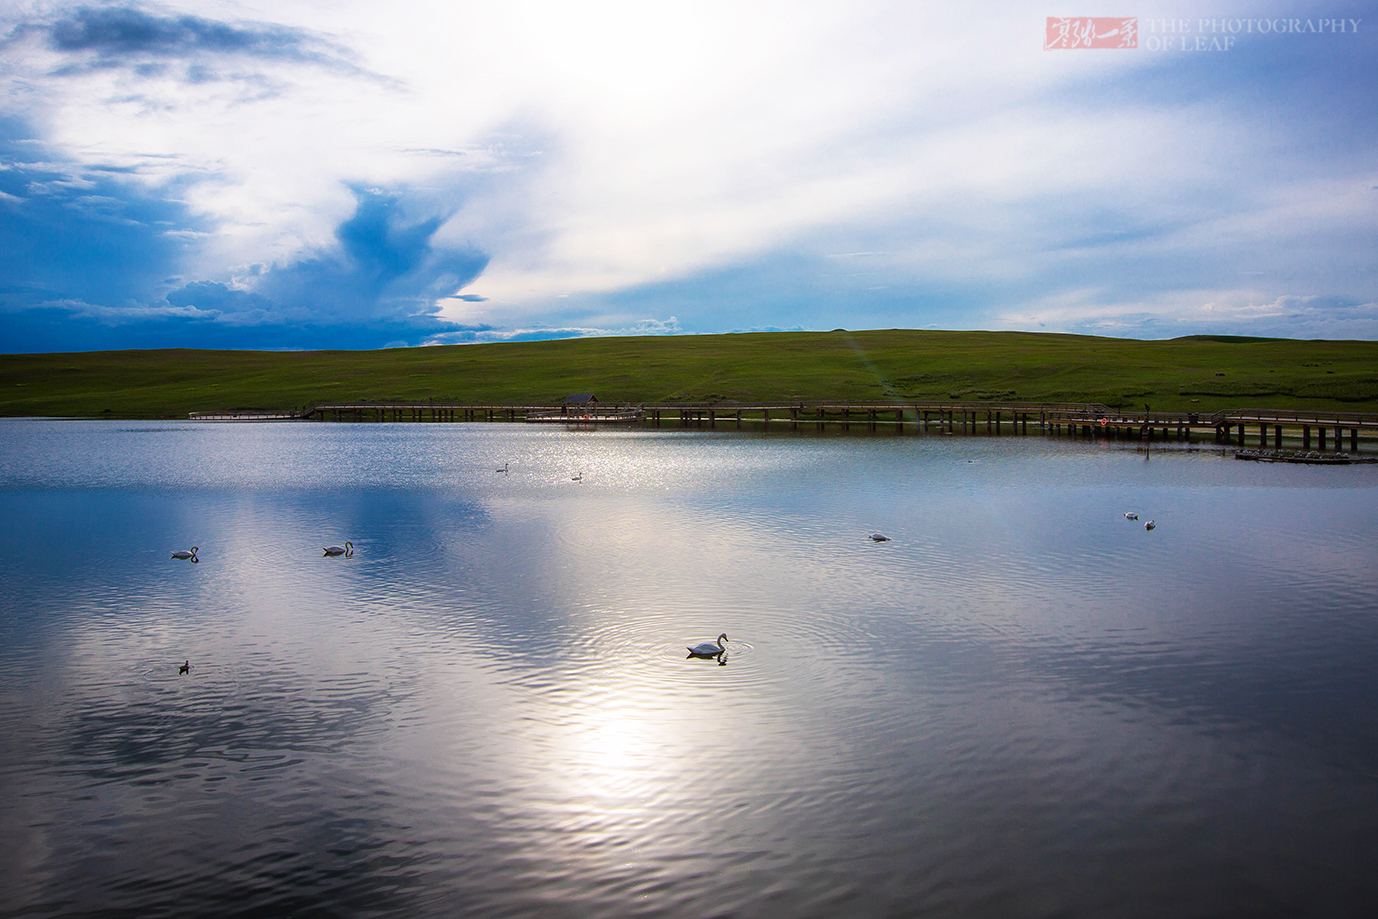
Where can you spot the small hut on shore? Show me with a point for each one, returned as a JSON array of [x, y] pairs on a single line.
[[579, 403]]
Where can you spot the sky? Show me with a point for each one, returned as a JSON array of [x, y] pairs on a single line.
[[361, 175]]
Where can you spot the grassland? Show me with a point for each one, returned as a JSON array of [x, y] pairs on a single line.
[[1199, 373]]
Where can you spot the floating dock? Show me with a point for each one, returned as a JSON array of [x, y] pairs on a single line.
[[1312, 457]]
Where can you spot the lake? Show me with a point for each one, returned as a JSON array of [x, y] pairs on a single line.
[[1021, 705]]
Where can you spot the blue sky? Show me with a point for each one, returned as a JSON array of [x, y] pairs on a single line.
[[361, 175]]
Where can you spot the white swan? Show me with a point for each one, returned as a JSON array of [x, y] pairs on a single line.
[[347, 550], [1129, 515], [183, 553], [577, 478], [709, 648], [878, 537], [503, 469]]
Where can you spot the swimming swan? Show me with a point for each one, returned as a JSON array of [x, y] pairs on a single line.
[[183, 553], [185, 668], [503, 469], [1150, 525], [347, 550], [1129, 515], [878, 537], [708, 648]]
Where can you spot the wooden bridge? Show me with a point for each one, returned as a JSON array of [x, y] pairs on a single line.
[[1240, 426]]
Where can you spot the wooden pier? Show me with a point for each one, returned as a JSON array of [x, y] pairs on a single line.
[[1263, 428], [244, 416]]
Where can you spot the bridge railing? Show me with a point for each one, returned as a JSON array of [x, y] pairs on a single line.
[[1080, 413]]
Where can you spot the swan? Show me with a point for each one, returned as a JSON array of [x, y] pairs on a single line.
[[183, 553], [503, 469], [878, 537], [1128, 515], [708, 648], [577, 478], [1150, 525], [185, 668], [347, 550]]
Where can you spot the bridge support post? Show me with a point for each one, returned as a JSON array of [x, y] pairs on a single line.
[[1353, 440], [1277, 437], [1306, 437], [1320, 438]]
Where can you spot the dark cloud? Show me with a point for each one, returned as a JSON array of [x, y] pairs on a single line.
[[126, 31], [106, 37], [90, 259], [212, 296], [60, 328], [385, 266], [379, 288]]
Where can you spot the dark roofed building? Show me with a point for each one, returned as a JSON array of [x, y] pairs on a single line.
[[578, 400]]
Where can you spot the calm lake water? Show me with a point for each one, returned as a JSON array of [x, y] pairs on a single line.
[[1022, 705]]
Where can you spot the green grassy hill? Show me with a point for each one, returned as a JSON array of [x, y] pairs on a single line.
[[1202, 372]]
